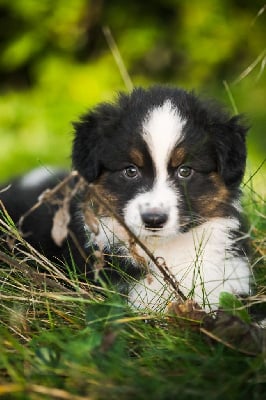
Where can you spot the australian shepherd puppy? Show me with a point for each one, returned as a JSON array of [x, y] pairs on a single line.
[[170, 165]]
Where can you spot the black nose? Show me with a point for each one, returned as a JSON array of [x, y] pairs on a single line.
[[154, 220]]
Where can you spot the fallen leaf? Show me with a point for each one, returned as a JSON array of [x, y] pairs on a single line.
[[187, 313], [91, 220], [248, 338], [60, 224]]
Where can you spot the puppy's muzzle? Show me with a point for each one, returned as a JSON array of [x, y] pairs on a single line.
[[154, 219]]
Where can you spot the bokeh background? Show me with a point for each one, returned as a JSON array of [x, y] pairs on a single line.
[[55, 63]]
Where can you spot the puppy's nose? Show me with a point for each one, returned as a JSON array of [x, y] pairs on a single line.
[[154, 219]]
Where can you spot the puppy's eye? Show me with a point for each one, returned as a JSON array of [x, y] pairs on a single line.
[[184, 172], [131, 172]]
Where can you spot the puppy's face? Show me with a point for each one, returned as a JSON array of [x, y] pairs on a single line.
[[164, 160]]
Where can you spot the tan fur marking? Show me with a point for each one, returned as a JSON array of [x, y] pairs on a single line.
[[99, 186], [177, 157], [137, 157], [214, 206]]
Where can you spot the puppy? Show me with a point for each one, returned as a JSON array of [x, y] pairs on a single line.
[[170, 166]]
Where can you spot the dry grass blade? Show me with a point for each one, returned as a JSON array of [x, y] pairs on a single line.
[[261, 58], [56, 279], [39, 279], [118, 59], [55, 393]]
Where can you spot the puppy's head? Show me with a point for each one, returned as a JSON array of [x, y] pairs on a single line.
[[164, 159]]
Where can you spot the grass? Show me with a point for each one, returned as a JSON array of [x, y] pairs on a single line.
[[61, 340]]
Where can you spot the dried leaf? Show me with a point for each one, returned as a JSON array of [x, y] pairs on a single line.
[[149, 278], [236, 333], [11, 241], [98, 264], [60, 224], [222, 327], [189, 313], [91, 220]]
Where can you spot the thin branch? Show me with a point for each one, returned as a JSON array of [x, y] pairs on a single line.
[[47, 195], [168, 277]]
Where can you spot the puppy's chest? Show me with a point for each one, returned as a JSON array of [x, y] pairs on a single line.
[[208, 243], [177, 253], [172, 251]]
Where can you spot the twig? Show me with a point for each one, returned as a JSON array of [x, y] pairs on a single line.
[[45, 196], [168, 277]]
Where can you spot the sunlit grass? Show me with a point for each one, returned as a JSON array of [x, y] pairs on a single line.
[[61, 338]]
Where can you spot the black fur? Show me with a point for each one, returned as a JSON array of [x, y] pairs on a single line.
[[112, 129], [102, 141]]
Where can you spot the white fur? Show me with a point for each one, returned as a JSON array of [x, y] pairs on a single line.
[[203, 263], [237, 205], [161, 197], [35, 177], [201, 260], [110, 233], [162, 131]]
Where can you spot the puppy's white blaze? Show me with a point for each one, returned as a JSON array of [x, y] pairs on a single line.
[[162, 130]]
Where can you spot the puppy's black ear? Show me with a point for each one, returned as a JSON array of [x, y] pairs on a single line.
[[85, 150], [90, 143], [231, 150]]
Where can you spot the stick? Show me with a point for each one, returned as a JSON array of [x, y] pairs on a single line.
[[168, 277]]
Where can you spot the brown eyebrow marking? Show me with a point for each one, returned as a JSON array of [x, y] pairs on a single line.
[[137, 157], [177, 157]]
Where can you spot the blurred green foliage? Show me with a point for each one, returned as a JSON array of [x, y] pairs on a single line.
[[55, 63]]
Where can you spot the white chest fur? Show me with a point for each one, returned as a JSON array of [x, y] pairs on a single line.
[[203, 261]]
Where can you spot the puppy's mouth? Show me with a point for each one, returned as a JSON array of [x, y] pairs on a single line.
[[154, 231]]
